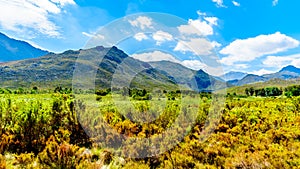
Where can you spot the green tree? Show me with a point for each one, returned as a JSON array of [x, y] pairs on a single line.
[[247, 91], [251, 91]]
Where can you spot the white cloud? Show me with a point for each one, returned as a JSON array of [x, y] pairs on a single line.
[[194, 64], [140, 36], [64, 2], [261, 72], [35, 45], [46, 5], [203, 26], [87, 34], [142, 22], [235, 3], [275, 2], [252, 48], [215, 44], [219, 3], [215, 71], [26, 15], [161, 36], [281, 61], [241, 66], [212, 20], [94, 36], [296, 62], [198, 46], [197, 65], [201, 13], [237, 67], [154, 56], [196, 27], [193, 33]]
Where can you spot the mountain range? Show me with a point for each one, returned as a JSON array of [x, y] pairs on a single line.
[[12, 50], [58, 69], [24, 65], [286, 73]]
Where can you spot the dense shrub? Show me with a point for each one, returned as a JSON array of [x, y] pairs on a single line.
[[45, 133]]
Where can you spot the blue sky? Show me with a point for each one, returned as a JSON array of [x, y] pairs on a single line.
[[257, 36]]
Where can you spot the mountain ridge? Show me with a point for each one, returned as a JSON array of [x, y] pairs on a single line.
[[290, 68], [194, 79], [116, 66], [13, 50], [286, 73], [233, 75], [58, 69]]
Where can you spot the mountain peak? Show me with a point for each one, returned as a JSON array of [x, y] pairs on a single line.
[[12, 49], [1, 34], [201, 71], [290, 68], [100, 47], [233, 75]]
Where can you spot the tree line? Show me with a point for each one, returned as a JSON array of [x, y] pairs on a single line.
[[273, 91]]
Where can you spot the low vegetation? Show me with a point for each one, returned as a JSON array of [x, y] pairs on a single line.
[[48, 129]]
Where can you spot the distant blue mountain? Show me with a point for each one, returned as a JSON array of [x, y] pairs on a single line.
[[233, 76], [286, 73], [11, 49], [290, 68]]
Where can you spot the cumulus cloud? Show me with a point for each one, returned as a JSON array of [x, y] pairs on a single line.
[[238, 67], [194, 64], [193, 34], [215, 44], [241, 66], [197, 46], [94, 36], [235, 3], [281, 61], [219, 3], [140, 36], [252, 48], [24, 15], [142, 22], [161, 36], [201, 13], [261, 72], [203, 26], [197, 65], [155, 56], [212, 20], [275, 2], [296, 62], [196, 27]]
